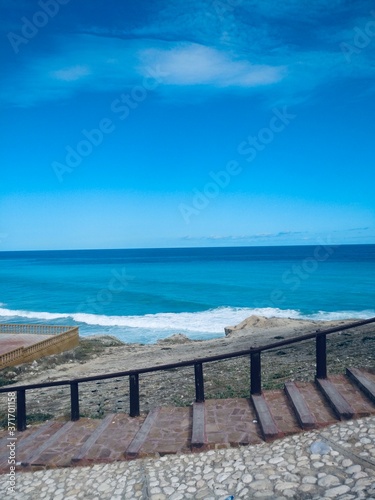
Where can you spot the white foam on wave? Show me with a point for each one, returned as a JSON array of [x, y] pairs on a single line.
[[340, 315], [9, 313], [210, 321]]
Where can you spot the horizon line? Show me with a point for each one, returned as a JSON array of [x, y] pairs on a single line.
[[183, 248]]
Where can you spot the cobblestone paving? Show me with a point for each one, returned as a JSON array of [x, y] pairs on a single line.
[[286, 468]]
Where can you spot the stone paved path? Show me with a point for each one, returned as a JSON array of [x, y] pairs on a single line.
[[342, 466], [285, 468]]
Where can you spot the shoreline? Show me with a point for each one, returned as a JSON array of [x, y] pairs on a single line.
[[149, 329], [229, 378]]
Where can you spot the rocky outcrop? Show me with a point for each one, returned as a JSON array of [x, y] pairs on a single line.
[[177, 338]]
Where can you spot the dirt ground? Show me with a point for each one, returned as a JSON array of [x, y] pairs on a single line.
[[230, 378]]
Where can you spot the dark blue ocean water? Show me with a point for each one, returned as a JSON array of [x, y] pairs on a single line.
[[141, 295]]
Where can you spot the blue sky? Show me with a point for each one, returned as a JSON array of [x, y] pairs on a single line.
[[186, 123]]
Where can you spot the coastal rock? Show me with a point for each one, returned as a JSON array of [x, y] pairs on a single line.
[[177, 338], [256, 322], [106, 340]]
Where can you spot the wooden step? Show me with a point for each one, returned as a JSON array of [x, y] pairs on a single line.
[[110, 444], [338, 403], [361, 404], [141, 436], [231, 422], [170, 433], [23, 442], [89, 443], [318, 405], [33, 457], [60, 453], [198, 438], [35, 439], [304, 416], [282, 412], [265, 418], [366, 385]]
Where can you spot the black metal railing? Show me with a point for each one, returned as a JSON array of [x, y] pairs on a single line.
[[134, 410]]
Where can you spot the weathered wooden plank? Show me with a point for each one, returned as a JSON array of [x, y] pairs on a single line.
[[33, 458], [265, 418], [82, 452], [304, 416], [24, 442], [366, 385], [337, 402], [141, 436], [198, 439]]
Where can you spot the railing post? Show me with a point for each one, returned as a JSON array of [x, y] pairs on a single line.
[[255, 372], [74, 401], [199, 383], [21, 410], [321, 356], [134, 394]]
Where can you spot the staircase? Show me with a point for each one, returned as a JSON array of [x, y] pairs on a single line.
[[202, 426]]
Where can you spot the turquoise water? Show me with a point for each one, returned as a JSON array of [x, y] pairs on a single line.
[[146, 294]]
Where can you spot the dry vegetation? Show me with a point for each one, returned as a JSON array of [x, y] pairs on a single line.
[[223, 379]]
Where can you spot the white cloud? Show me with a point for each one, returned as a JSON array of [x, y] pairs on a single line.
[[248, 237], [71, 74], [111, 64], [193, 64]]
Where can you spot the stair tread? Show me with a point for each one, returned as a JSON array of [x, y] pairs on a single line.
[[282, 412], [319, 407], [231, 422], [360, 403], [169, 432], [116, 438], [89, 443], [363, 380], [61, 453], [34, 456], [142, 434], [338, 402], [265, 417], [33, 441], [198, 438], [29, 441], [304, 416]]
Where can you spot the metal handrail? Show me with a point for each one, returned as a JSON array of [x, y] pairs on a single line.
[[255, 372]]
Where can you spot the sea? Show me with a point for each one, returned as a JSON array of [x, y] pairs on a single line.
[[143, 295]]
